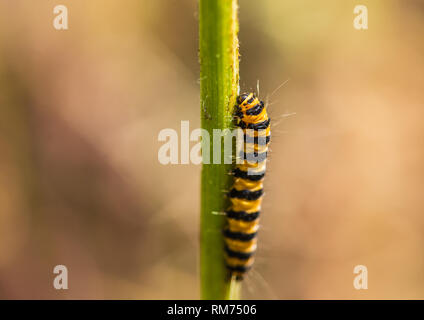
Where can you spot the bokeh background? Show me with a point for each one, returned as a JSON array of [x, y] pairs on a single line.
[[81, 185]]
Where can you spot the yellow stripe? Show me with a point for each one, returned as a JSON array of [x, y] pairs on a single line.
[[255, 167], [244, 184], [254, 147], [257, 133], [249, 206], [243, 226], [241, 246], [234, 262]]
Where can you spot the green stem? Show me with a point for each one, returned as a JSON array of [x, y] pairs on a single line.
[[219, 74]]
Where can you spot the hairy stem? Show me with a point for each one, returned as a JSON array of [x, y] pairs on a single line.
[[219, 80]]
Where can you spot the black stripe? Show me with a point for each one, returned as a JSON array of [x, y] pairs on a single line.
[[253, 156], [246, 194], [238, 268], [243, 215], [250, 101], [262, 141], [238, 113], [239, 235], [238, 255], [245, 175], [255, 126], [242, 97], [257, 109]]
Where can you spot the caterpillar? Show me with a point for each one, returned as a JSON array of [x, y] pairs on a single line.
[[247, 190]]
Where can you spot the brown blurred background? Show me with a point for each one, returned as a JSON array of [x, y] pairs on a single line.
[[81, 185]]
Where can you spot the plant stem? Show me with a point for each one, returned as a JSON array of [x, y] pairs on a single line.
[[219, 80]]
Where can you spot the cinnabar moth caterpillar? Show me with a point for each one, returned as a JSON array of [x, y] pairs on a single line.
[[247, 191]]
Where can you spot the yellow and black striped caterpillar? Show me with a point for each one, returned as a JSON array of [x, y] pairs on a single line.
[[247, 191]]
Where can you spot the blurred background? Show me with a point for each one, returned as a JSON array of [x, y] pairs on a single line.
[[81, 185]]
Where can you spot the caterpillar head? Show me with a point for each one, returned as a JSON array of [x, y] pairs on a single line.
[[244, 97], [248, 101]]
